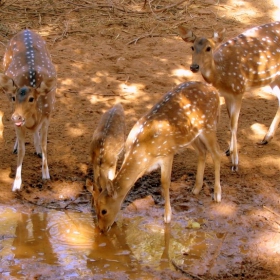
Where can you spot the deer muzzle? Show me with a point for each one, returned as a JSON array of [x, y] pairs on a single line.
[[194, 68], [18, 120]]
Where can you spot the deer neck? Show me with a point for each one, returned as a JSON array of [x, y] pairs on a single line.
[[128, 175], [210, 72]]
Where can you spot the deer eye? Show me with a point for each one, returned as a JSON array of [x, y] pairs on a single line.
[[208, 49], [13, 98], [192, 48], [31, 99], [104, 212]]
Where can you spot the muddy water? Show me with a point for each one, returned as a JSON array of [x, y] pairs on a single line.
[[64, 244]]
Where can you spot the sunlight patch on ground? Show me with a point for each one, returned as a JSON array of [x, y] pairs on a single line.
[[97, 79], [67, 82], [243, 8], [79, 66], [83, 167], [5, 175], [164, 60], [131, 89], [182, 73], [224, 208], [269, 243], [258, 129], [76, 131], [101, 74], [276, 13]]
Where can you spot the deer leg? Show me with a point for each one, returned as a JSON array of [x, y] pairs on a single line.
[[21, 152], [233, 104], [15, 150], [210, 141], [201, 152], [36, 138], [269, 135], [166, 168], [164, 260], [44, 134]]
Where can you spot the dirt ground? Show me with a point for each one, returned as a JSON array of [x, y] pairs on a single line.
[[119, 51]]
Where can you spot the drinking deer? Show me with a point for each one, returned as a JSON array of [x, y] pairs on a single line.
[[30, 78], [252, 59], [187, 115], [106, 145]]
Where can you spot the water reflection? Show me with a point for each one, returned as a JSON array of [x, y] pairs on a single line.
[[32, 239], [67, 243]]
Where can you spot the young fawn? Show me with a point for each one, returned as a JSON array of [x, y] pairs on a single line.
[[251, 59], [106, 145], [30, 80], [187, 115]]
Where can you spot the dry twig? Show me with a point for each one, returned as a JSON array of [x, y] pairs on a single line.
[[48, 205], [142, 37], [268, 209], [169, 7]]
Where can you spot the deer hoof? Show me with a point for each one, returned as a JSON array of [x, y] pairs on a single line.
[[234, 168], [263, 142], [227, 152], [217, 197], [39, 155], [196, 191]]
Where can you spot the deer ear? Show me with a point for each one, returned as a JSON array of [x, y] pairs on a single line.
[[7, 84], [93, 189], [218, 35], [186, 34], [89, 185], [47, 85], [110, 189]]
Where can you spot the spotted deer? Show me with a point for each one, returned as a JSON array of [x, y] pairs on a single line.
[[252, 59], [30, 80], [105, 148], [187, 115]]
